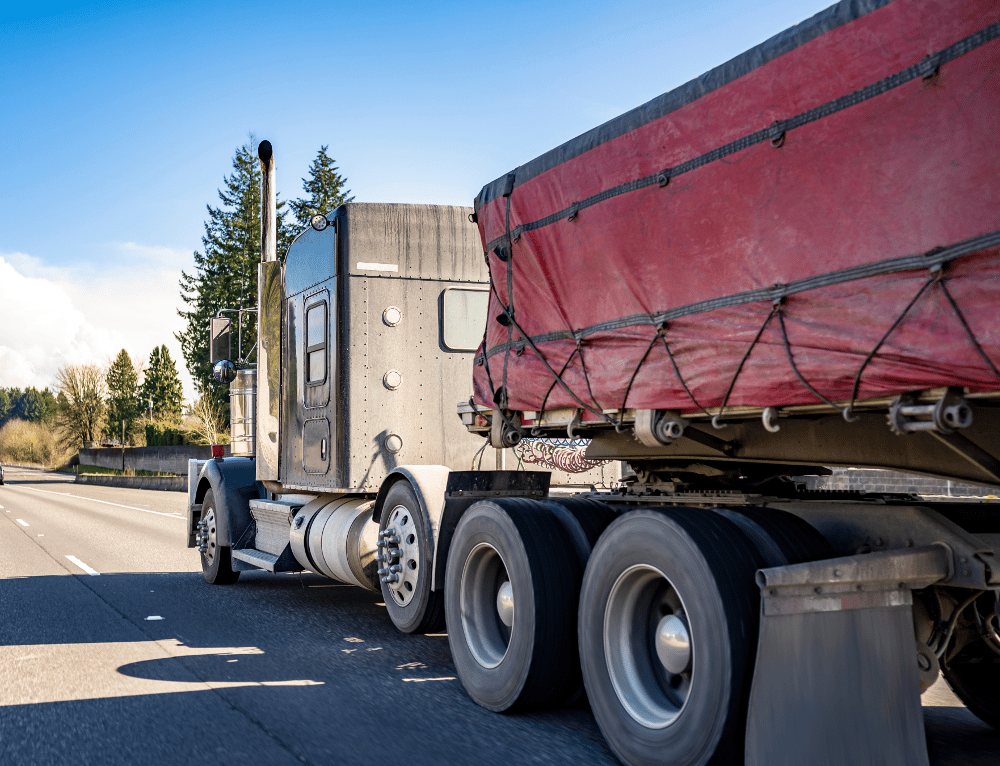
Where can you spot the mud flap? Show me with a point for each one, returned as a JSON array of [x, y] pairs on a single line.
[[836, 682]]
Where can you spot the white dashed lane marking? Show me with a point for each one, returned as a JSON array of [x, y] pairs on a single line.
[[83, 566], [22, 522]]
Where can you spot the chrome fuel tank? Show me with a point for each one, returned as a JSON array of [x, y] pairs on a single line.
[[243, 413]]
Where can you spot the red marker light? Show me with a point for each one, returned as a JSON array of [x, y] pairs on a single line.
[[217, 450]]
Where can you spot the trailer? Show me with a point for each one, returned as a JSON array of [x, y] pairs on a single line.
[[786, 265]]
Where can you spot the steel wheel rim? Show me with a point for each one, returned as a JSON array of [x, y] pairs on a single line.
[[210, 536], [640, 602], [483, 577], [408, 559]]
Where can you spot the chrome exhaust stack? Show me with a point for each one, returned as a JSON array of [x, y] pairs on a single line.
[[268, 204], [270, 281]]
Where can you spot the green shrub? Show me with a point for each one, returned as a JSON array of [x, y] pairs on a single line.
[[164, 435]]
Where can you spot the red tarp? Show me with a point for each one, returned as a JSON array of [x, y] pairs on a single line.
[[602, 252]]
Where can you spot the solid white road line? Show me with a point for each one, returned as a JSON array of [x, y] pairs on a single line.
[[83, 566], [22, 522], [105, 502]]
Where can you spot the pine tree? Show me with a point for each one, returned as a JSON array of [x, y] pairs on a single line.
[[162, 386], [324, 187], [123, 397], [31, 405], [225, 274], [6, 404]]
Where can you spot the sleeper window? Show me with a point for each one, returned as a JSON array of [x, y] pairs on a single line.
[[316, 343]]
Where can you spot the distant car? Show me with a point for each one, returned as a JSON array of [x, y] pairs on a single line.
[[1, 475]]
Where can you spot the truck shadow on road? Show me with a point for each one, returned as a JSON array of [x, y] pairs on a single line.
[[315, 660]]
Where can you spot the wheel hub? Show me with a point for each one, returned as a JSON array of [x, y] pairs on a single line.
[[399, 555], [487, 599], [648, 646], [673, 645], [206, 536], [505, 604]]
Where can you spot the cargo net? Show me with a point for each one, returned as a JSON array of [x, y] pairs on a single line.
[[557, 454]]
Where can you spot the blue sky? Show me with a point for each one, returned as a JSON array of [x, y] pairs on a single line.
[[120, 120]]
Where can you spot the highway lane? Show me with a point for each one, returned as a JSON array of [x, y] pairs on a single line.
[[100, 525], [144, 662]]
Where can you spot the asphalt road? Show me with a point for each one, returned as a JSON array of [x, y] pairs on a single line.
[[113, 650]]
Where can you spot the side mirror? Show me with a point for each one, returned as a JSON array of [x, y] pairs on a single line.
[[220, 345]]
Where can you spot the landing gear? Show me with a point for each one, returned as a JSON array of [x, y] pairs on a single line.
[[405, 563], [216, 559], [668, 632]]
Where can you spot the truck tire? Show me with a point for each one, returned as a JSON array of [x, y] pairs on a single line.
[[413, 607], [511, 592], [668, 634], [216, 562]]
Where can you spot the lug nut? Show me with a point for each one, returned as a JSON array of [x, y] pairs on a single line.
[[391, 578], [395, 540], [395, 553], [396, 568]]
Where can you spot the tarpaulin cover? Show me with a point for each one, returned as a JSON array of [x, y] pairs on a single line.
[[819, 217]]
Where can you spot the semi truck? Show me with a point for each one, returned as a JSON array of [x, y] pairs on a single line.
[[575, 423]]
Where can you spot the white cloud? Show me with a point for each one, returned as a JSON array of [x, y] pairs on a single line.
[[52, 316]]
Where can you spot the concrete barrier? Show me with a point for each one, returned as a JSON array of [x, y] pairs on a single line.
[[167, 483], [163, 459]]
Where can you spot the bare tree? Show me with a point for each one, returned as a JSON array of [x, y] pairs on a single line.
[[82, 410], [205, 422]]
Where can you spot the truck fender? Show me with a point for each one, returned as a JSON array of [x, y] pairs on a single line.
[[234, 484], [429, 483]]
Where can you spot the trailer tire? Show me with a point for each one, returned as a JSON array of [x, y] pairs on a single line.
[[413, 607], [217, 564], [780, 537], [668, 634], [512, 586]]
